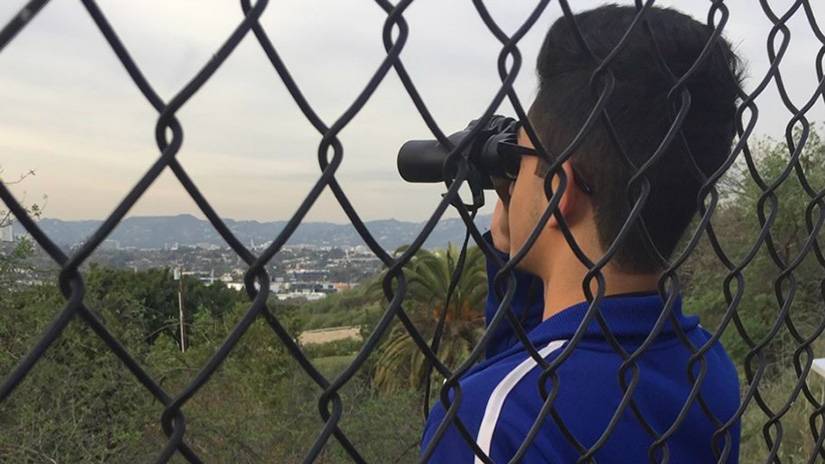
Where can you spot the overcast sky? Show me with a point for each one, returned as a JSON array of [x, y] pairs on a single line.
[[70, 111]]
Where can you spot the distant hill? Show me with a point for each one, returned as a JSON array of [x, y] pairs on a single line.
[[185, 229]]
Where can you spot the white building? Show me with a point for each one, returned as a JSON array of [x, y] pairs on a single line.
[[6, 234], [207, 278], [239, 286], [308, 295]]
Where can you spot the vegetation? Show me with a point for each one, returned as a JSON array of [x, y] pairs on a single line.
[[80, 404], [400, 363], [736, 223], [351, 308]]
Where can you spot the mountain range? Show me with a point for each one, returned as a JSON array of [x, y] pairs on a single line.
[[186, 230]]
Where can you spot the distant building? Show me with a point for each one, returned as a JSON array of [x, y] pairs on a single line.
[[6, 234], [308, 275], [307, 295], [239, 286], [207, 278]]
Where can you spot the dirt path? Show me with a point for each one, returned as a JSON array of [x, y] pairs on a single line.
[[329, 334]]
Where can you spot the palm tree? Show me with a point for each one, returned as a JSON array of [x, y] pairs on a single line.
[[400, 363]]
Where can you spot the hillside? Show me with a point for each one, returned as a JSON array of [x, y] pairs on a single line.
[[185, 229]]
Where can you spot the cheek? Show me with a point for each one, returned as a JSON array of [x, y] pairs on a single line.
[[525, 208]]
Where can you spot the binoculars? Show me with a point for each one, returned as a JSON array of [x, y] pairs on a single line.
[[492, 153]]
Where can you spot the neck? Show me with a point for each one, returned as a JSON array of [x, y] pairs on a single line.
[[563, 284]]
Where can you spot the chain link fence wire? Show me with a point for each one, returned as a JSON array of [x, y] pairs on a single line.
[[168, 137]]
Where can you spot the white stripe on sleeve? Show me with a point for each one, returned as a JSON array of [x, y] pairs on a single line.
[[499, 395]]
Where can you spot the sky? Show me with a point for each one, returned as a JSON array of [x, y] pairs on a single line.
[[69, 111]]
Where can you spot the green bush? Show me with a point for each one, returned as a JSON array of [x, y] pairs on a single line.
[[80, 404], [336, 348]]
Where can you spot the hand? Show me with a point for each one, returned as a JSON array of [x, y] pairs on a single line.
[[500, 227]]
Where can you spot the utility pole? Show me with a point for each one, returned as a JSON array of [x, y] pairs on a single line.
[[181, 312]]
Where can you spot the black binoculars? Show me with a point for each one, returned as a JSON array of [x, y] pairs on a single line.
[[493, 153]]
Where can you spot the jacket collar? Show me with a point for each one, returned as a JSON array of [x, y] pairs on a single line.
[[627, 315]]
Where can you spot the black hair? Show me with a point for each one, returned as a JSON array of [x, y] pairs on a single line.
[[641, 114]]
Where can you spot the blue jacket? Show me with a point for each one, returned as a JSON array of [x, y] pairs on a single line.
[[501, 398]]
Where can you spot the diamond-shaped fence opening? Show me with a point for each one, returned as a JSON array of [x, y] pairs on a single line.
[[779, 344]]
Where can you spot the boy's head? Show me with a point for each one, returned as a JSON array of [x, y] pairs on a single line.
[[641, 115]]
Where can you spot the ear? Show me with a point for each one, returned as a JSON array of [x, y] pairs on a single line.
[[570, 198]]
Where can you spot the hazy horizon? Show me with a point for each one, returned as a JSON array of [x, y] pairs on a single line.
[[203, 218]]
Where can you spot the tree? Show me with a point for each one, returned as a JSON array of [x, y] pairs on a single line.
[[737, 225], [81, 404], [400, 363], [14, 257]]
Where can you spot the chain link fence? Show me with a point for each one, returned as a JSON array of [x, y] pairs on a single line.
[[168, 137]]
